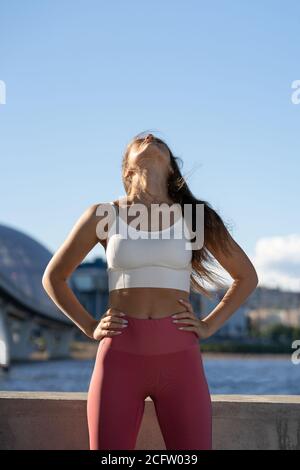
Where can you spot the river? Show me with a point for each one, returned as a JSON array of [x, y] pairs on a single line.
[[226, 374]]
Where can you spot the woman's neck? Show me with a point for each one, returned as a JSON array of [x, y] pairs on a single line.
[[147, 197]]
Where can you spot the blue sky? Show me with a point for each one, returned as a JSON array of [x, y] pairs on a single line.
[[211, 78]]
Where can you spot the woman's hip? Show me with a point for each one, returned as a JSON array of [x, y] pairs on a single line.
[[151, 337]]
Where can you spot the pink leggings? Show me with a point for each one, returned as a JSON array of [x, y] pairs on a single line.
[[151, 357]]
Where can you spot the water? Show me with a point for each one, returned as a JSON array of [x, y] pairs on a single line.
[[225, 375], [253, 376]]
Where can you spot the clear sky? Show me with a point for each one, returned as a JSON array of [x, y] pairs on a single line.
[[212, 78]]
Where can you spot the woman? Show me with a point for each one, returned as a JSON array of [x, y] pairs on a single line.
[[149, 335]]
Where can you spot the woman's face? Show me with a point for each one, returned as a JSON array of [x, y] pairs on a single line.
[[149, 152]]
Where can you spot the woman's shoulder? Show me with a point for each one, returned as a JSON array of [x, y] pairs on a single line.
[[98, 215], [103, 210], [98, 211], [98, 206]]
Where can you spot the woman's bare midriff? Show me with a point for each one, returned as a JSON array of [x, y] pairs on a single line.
[[147, 302]]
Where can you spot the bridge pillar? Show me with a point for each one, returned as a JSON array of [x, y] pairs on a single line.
[[58, 342], [21, 343], [20, 339], [4, 339]]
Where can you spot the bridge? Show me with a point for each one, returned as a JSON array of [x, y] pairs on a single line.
[[29, 320]]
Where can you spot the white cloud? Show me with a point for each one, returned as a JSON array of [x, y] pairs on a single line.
[[277, 261]]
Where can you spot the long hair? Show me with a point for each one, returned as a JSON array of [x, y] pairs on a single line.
[[216, 233]]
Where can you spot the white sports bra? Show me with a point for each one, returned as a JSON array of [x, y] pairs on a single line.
[[137, 258]]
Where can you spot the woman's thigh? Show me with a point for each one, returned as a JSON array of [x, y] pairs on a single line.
[[182, 401], [115, 403]]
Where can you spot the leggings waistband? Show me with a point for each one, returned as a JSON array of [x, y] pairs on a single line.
[[150, 336]]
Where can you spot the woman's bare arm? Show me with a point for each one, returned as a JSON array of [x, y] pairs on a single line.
[[78, 244], [239, 266]]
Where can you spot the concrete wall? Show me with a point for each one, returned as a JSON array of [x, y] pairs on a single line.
[[49, 420]]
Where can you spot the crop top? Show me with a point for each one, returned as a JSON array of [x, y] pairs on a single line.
[[137, 258]]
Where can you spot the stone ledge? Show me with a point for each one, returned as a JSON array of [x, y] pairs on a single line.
[[57, 420]]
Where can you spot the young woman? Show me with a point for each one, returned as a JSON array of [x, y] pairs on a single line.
[[149, 336]]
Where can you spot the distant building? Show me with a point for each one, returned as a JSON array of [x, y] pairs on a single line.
[[268, 307], [265, 317], [89, 283], [236, 326], [264, 297]]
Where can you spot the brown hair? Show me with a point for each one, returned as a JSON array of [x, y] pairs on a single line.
[[216, 233]]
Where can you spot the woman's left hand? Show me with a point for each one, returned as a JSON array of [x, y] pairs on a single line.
[[197, 325]]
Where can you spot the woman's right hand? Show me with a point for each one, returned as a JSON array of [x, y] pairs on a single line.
[[111, 323]]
